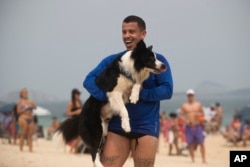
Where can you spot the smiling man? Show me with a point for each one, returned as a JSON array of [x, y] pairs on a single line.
[[144, 115]]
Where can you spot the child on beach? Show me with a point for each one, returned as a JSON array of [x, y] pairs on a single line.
[[173, 133]]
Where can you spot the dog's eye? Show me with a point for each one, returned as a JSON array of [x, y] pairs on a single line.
[[151, 58]]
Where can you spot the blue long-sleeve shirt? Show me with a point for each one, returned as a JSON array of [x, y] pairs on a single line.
[[144, 115]]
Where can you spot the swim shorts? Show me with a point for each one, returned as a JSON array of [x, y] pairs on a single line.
[[194, 134]]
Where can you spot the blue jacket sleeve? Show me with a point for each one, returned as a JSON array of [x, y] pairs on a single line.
[[164, 86], [89, 82]]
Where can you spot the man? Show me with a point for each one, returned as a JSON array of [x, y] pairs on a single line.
[[219, 114], [192, 113], [144, 116]]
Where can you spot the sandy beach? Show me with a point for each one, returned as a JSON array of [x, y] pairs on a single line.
[[45, 155]]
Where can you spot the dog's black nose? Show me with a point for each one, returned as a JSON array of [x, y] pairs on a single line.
[[163, 67]]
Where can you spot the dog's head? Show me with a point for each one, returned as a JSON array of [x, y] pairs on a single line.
[[144, 58]]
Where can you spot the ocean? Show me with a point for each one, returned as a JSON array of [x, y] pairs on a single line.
[[229, 104]]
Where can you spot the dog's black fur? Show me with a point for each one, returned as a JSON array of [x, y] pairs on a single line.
[[88, 123]]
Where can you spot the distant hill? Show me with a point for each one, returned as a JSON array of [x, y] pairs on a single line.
[[239, 93], [209, 87], [35, 95]]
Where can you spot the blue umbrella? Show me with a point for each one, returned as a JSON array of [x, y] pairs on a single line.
[[7, 108], [244, 114]]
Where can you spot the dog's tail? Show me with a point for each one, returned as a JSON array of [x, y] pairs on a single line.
[[69, 128]]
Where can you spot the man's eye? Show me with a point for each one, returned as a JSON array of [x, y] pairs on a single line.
[[131, 31]]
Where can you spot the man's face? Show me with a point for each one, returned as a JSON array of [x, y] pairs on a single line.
[[190, 97], [132, 34]]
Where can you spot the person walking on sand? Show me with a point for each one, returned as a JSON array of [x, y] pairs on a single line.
[[74, 108], [25, 119], [192, 111], [144, 116], [173, 134], [219, 114]]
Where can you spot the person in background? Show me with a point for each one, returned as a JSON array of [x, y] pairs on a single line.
[[219, 114], [181, 134], [246, 133], [35, 127], [163, 129], [142, 141], [53, 127], [12, 128], [191, 112], [74, 108], [235, 130], [16, 128], [6, 125], [211, 123], [25, 108], [173, 133]]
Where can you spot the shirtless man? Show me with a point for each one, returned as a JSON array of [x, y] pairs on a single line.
[[192, 113]]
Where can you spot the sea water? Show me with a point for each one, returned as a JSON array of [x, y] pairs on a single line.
[[230, 106]]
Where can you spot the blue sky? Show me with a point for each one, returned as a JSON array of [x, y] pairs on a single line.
[[50, 45]]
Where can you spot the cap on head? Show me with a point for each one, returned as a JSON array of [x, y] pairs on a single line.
[[190, 92]]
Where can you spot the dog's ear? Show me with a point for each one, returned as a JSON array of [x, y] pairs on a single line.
[[150, 47], [141, 45], [140, 48]]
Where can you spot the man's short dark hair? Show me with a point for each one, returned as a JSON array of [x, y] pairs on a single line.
[[138, 20]]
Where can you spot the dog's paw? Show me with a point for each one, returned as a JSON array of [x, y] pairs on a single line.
[[133, 98], [126, 127]]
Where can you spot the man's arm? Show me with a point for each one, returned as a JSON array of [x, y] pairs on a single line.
[[182, 113], [89, 82], [164, 90]]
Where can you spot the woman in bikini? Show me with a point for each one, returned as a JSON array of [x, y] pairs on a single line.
[[74, 108], [25, 120]]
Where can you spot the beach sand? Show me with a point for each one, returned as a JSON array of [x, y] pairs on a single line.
[[46, 155]]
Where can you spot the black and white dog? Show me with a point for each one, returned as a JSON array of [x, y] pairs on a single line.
[[124, 75]]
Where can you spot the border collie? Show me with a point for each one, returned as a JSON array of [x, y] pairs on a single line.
[[124, 75]]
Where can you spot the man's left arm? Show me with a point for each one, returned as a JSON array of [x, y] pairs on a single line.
[[164, 88]]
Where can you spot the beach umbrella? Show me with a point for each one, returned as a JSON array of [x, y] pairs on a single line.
[[40, 111], [244, 113], [7, 108]]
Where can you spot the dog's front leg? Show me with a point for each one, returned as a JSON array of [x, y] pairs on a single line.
[[134, 97], [117, 104]]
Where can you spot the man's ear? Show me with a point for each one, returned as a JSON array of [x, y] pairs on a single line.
[[150, 47]]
